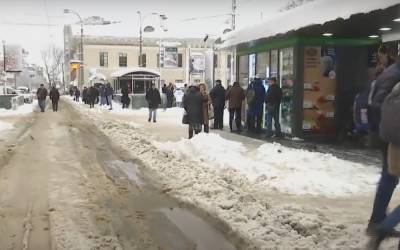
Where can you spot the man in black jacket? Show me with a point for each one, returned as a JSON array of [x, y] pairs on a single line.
[[154, 99], [54, 97], [383, 87], [217, 95], [273, 103]]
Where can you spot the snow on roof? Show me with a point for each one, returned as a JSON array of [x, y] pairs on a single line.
[[317, 12], [123, 72]]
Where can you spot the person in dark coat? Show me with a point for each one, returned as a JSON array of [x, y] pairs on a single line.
[[109, 94], [193, 105], [84, 95], [273, 101], [125, 97], [77, 94], [256, 107], [217, 95], [154, 99], [93, 93], [170, 95], [103, 96], [235, 96], [54, 97], [383, 87], [41, 96], [206, 106]]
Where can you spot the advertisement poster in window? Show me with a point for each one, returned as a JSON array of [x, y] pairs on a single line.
[[319, 90], [170, 57], [286, 83], [197, 63], [13, 58]]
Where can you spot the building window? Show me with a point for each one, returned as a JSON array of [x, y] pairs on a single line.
[[215, 61], [228, 61], [143, 60], [158, 61], [123, 59], [180, 61], [103, 59]]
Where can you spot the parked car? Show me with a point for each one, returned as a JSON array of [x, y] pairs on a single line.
[[28, 96], [6, 90]]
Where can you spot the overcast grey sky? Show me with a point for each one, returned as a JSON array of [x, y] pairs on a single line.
[[36, 38]]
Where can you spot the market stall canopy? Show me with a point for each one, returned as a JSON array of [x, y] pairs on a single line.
[[315, 13], [135, 71]]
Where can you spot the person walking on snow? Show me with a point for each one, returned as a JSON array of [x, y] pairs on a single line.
[[388, 182], [273, 102], [217, 95], [54, 97], [77, 94], [235, 96], [193, 105], [84, 95], [170, 95], [109, 94], [93, 93], [103, 98], [41, 96], [154, 99], [125, 97]]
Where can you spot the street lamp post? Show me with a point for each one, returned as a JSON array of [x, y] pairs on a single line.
[[147, 29], [4, 65]]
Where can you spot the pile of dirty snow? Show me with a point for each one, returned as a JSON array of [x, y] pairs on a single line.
[[287, 170]]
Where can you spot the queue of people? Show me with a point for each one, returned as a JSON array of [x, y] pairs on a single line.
[[102, 94]]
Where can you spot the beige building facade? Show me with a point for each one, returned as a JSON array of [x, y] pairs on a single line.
[[191, 61]]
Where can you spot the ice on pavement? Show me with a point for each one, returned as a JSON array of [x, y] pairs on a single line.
[[21, 110], [288, 170], [5, 126]]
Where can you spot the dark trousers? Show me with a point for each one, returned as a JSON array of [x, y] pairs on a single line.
[[218, 118], [91, 102], [273, 114], [254, 122], [206, 128], [237, 114], [384, 192], [191, 131], [54, 104]]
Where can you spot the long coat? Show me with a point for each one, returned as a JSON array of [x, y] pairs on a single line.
[[206, 104], [153, 98], [256, 107], [54, 95], [193, 104], [235, 95], [217, 95]]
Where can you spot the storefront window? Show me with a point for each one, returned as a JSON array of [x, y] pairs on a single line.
[[262, 68], [244, 70], [274, 63], [252, 66], [286, 82]]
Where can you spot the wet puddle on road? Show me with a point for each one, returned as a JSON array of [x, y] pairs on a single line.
[[171, 226], [130, 170], [200, 233]]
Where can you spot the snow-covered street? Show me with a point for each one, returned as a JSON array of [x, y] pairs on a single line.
[[265, 195]]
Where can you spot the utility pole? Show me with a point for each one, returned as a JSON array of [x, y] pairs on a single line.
[[140, 39], [233, 56]]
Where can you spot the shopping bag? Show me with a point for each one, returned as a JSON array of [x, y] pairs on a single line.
[[394, 159]]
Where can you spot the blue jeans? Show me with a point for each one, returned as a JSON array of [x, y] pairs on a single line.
[[42, 105], [153, 114], [384, 192], [273, 113]]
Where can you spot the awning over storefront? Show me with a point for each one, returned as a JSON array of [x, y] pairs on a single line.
[[135, 71], [315, 13]]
